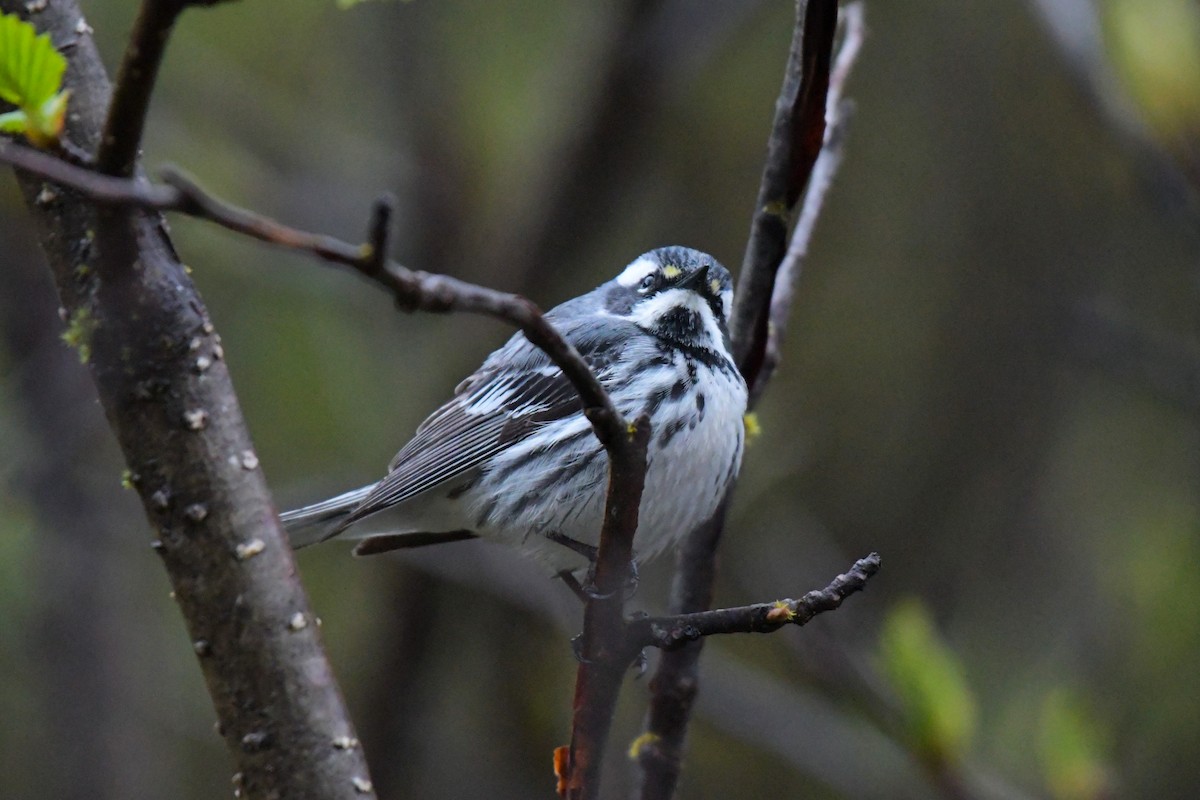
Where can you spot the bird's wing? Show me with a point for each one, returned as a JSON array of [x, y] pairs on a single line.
[[517, 390]]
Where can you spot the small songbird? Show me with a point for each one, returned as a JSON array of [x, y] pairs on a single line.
[[512, 458]]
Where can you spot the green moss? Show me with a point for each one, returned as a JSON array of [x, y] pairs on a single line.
[[78, 334]]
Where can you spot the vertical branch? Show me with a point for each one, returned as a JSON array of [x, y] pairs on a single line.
[[158, 364], [796, 142]]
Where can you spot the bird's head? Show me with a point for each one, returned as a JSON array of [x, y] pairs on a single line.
[[677, 294]]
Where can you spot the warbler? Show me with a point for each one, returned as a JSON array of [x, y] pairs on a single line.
[[512, 458]]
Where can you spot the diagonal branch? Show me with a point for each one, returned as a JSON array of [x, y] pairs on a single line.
[[837, 118], [796, 138], [412, 290]]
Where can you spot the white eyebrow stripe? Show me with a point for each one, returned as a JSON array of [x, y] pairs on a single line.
[[634, 273]]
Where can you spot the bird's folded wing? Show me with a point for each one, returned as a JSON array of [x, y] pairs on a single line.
[[492, 412]]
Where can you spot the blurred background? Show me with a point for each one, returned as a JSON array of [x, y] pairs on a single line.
[[992, 377]]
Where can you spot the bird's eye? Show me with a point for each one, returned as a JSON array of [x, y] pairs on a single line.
[[648, 282]]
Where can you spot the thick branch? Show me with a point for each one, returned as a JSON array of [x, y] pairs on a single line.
[[164, 386], [672, 632]]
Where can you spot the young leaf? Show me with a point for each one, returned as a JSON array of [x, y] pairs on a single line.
[[1070, 746], [938, 706], [31, 72]]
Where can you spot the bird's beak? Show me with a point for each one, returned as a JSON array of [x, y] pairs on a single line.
[[697, 281]]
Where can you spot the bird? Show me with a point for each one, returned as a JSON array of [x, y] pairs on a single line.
[[511, 457]]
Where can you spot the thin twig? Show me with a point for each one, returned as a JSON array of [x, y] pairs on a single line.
[[121, 139], [789, 271], [379, 234], [671, 632]]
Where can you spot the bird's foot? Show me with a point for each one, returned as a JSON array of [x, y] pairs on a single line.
[[587, 589]]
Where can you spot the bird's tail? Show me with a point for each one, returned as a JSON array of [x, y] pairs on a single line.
[[308, 525]]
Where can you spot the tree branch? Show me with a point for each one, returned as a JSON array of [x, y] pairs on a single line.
[[672, 632], [823, 172], [122, 137], [796, 138], [157, 363], [605, 653], [412, 290]]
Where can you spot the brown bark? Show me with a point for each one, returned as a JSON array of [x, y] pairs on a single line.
[[157, 362]]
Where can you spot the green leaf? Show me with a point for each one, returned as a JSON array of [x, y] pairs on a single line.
[[937, 704], [1155, 47], [13, 122], [1070, 746], [31, 72]]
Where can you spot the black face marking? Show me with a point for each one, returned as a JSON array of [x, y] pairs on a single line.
[[718, 309], [681, 323], [709, 358]]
